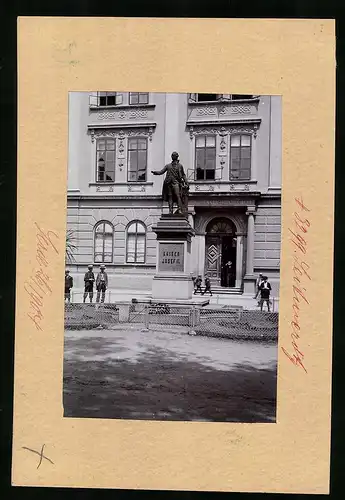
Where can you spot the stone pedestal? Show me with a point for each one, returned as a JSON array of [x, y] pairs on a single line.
[[173, 272]]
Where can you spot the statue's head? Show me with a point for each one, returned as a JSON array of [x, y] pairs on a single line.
[[174, 156]]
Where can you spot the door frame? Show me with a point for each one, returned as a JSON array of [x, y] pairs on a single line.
[[218, 237]]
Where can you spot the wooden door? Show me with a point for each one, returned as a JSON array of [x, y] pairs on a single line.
[[213, 259]]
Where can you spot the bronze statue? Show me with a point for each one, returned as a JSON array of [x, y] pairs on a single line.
[[175, 186]]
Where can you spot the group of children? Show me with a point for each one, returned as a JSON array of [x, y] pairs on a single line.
[[197, 285], [263, 287], [89, 280]]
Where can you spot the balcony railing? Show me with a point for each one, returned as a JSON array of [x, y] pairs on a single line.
[[222, 110], [202, 175]]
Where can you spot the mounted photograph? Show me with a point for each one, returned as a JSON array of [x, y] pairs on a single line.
[[173, 241]]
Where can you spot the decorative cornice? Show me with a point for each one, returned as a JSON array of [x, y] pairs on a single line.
[[142, 129], [224, 128], [223, 100], [119, 126], [251, 210], [122, 107], [220, 123]]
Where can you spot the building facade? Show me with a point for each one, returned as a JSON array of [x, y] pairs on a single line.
[[230, 147]]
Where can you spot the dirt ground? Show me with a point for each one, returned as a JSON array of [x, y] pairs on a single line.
[[160, 375]]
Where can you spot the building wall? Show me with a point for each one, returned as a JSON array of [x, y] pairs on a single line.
[[166, 122]]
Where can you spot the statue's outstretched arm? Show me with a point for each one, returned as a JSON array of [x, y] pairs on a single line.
[[159, 172]]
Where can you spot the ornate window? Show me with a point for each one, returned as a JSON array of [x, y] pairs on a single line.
[[137, 159], [240, 157], [138, 98], [108, 98], [103, 243], [105, 160], [136, 243], [205, 157]]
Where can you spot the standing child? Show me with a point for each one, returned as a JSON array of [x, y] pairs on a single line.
[[207, 286], [197, 285], [89, 280], [68, 286], [265, 289], [258, 283], [101, 284]]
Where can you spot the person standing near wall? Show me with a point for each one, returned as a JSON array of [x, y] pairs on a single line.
[[68, 286], [197, 285], [228, 272], [265, 289], [258, 283], [101, 284], [89, 280], [207, 286]]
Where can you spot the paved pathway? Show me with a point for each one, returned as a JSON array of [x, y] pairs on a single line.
[[168, 376]]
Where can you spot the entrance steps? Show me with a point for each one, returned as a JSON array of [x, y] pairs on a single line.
[[220, 290]]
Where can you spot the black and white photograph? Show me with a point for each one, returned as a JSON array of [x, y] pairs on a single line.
[[173, 241]]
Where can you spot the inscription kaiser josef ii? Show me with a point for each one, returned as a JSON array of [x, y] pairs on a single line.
[[171, 257]]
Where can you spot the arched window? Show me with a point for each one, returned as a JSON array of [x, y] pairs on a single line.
[[136, 243], [221, 225], [104, 240]]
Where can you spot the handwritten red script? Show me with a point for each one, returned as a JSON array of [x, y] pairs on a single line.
[[37, 285], [301, 276]]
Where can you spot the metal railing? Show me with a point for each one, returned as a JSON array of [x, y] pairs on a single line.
[[192, 175], [90, 316], [212, 321]]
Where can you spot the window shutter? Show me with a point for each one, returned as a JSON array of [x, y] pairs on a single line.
[[93, 100]]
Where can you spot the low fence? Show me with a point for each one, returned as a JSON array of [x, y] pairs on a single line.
[[218, 300], [90, 316], [226, 322]]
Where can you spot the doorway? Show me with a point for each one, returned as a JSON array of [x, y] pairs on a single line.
[[220, 261]]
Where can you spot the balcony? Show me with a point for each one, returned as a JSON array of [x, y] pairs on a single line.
[[118, 109], [234, 187], [140, 114], [218, 184], [222, 111]]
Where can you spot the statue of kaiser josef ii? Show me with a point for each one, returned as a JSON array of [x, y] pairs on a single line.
[[175, 186]]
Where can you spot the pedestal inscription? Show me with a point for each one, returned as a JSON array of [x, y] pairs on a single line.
[[173, 280], [171, 257]]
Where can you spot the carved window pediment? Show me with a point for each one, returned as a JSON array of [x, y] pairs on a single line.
[[121, 133]]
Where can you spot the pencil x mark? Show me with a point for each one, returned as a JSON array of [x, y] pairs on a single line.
[[40, 454]]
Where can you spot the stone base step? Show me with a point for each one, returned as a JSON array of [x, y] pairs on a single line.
[[220, 290]]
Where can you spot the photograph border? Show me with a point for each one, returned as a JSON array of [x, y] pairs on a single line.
[[296, 85]]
